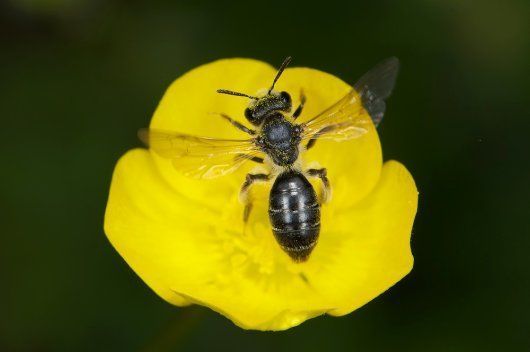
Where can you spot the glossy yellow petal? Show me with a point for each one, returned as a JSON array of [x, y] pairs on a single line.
[[185, 238], [366, 248]]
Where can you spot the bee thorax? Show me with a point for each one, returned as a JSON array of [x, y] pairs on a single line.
[[280, 139]]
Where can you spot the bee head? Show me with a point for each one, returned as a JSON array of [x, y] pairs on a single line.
[[273, 101], [264, 105]]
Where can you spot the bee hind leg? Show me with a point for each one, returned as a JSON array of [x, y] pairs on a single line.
[[246, 212], [243, 194], [323, 175]]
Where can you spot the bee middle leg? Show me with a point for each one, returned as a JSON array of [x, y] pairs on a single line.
[[324, 130], [323, 175], [243, 194], [300, 107]]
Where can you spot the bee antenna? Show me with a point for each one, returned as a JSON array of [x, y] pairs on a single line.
[[230, 92], [280, 71]]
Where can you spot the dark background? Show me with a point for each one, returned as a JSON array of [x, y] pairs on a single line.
[[78, 78]]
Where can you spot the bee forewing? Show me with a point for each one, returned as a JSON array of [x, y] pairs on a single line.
[[199, 157], [346, 119]]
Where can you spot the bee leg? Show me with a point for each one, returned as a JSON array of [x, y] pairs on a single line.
[[246, 212], [255, 159], [238, 125], [310, 144], [322, 174], [300, 107], [322, 131], [243, 194]]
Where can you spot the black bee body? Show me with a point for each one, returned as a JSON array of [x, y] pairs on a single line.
[[294, 210], [279, 139], [294, 213]]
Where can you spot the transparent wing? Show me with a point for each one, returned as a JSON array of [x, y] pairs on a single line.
[[376, 85], [342, 121], [346, 118], [199, 157]]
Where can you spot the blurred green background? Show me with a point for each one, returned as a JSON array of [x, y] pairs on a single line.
[[79, 77]]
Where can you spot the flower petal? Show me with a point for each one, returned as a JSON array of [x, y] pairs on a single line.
[[366, 249], [175, 246], [186, 239]]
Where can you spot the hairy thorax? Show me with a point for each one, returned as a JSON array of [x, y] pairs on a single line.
[[280, 139]]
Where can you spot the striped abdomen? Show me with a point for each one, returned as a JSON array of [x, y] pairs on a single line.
[[294, 213]]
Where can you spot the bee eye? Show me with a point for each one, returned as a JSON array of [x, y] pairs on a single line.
[[248, 114], [286, 98]]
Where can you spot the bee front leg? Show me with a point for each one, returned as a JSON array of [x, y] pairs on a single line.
[[323, 175], [243, 194], [237, 125], [300, 107]]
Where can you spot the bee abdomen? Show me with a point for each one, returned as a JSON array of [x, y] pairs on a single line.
[[294, 213]]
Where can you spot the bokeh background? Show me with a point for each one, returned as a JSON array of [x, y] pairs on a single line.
[[79, 77]]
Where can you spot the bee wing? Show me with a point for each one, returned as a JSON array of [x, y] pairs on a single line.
[[346, 118], [199, 157], [375, 86], [342, 121]]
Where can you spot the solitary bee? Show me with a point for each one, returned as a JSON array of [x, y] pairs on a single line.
[[277, 141]]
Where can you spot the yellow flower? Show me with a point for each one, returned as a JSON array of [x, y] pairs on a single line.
[[186, 239]]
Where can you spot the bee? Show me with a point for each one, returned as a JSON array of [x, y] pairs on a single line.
[[277, 140]]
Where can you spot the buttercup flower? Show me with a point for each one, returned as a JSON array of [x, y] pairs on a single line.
[[186, 238]]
